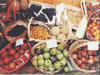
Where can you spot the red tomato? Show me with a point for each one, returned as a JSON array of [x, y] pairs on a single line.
[[12, 52], [17, 55], [21, 51], [18, 62], [6, 60], [1, 62], [17, 48], [6, 67], [11, 58], [23, 57], [12, 65], [27, 51], [24, 46], [4, 54]]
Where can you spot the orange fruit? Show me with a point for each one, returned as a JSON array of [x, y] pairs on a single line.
[[94, 21], [95, 28], [95, 33]]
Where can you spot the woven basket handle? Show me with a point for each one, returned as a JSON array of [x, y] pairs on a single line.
[[30, 22]]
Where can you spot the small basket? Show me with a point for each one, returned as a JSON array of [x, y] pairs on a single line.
[[23, 62], [37, 24], [44, 71], [11, 26], [89, 19], [73, 47]]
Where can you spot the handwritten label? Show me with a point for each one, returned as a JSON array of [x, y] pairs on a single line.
[[51, 43], [19, 42], [93, 45]]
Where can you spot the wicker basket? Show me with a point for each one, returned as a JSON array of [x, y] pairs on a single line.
[[44, 71], [73, 47], [23, 62], [32, 21], [87, 34], [11, 26]]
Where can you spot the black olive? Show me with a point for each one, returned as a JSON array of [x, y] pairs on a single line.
[[53, 59], [38, 51]]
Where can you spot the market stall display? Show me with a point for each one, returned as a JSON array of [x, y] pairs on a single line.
[[41, 38]]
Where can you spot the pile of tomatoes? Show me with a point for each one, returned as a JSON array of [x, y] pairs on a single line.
[[14, 56], [84, 57]]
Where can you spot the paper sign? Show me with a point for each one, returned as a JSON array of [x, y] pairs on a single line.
[[51, 43], [93, 45], [19, 42]]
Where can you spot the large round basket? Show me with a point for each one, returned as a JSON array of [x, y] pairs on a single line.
[[44, 71], [73, 47]]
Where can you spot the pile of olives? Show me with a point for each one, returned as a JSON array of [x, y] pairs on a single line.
[[51, 59]]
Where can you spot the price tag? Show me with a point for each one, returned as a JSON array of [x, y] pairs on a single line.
[[19, 42], [93, 45], [51, 43]]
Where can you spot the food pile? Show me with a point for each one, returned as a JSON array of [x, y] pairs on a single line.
[[12, 57], [86, 59], [39, 32], [60, 33], [49, 39], [51, 60], [93, 26]]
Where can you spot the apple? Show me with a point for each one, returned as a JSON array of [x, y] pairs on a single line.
[[40, 56], [59, 56], [65, 52], [92, 67], [79, 56], [35, 63], [57, 65], [90, 61], [42, 67], [43, 46], [74, 56], [87, 56], [90, 52], [41, 62], [66, 69], [45, 49], [48, 63], [58, 52], [35, 57], [63, 61], [51, 68], [94, 53], [96, 59], [84, 53], [83, 59], [82, 66], [90, 57], [46, 55], [53, 51], [78, 62], [60, 46]]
